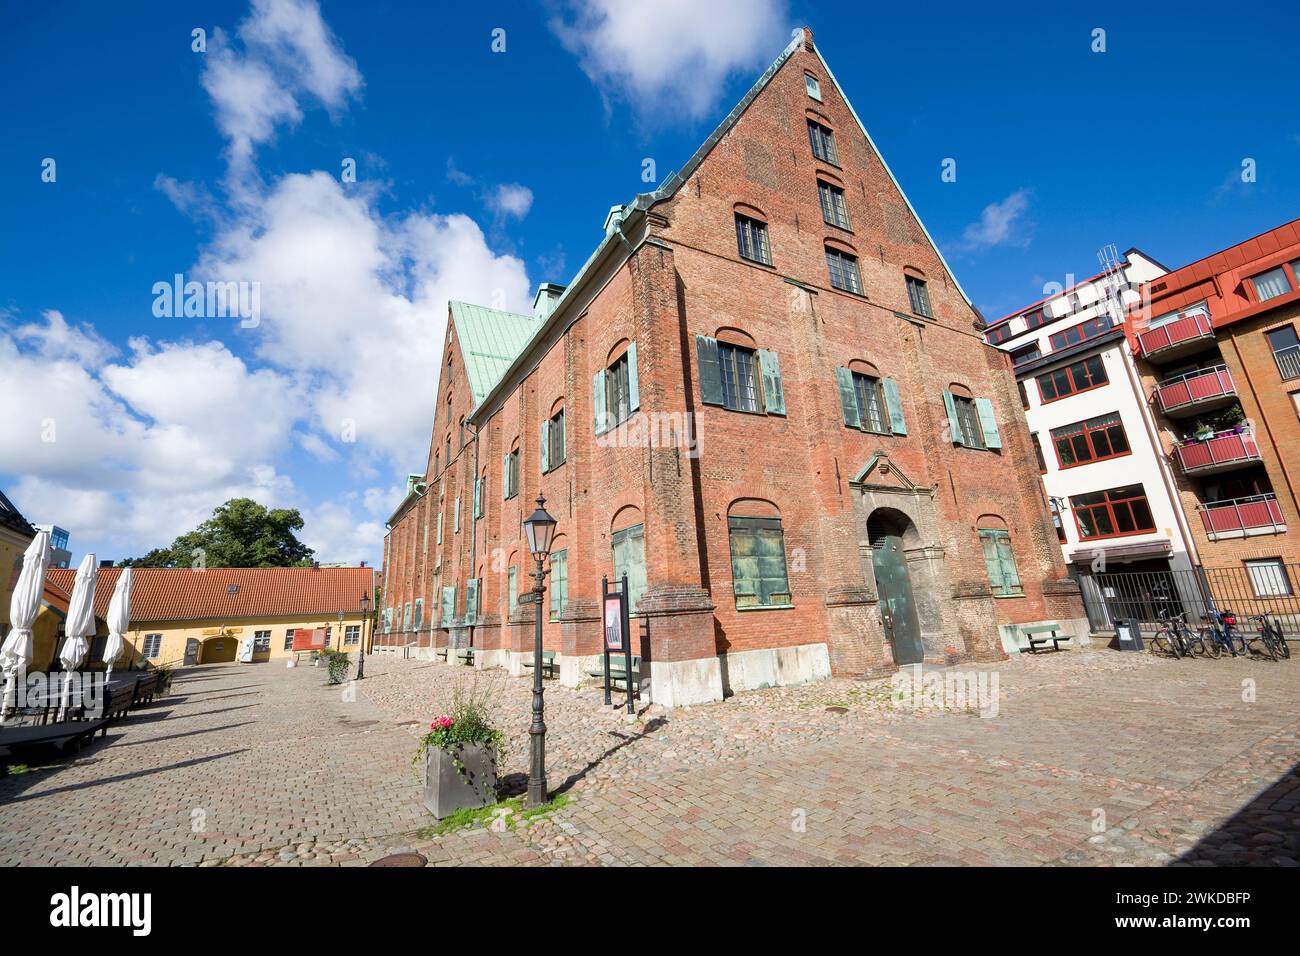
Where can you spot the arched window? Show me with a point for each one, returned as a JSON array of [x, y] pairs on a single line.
[[627, 540], [758, 569], [999, 557], [510, 471]]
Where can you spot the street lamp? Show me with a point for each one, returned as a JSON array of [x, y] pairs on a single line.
[[361, 651], [540, 530]]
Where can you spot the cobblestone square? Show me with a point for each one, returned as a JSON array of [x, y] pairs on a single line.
[[1093, 758]]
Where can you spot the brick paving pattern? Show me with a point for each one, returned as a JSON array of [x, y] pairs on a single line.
[[1093, 758]]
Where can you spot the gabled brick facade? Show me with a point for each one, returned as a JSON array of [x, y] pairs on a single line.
[[667, 281]]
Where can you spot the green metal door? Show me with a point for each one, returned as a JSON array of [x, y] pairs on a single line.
[[897, 607]]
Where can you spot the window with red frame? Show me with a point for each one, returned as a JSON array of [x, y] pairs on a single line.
[[1092, 440], [1067, 380], [1081, 332], [1113, 513], [999, 334], [1035, 318]]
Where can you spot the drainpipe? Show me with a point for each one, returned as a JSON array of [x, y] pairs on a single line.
[[473, 535], [1148, 422]]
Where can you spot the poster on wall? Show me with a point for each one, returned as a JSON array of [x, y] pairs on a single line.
[[613, 622]]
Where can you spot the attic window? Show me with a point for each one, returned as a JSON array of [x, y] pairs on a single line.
[[813, 87], [232, 589]]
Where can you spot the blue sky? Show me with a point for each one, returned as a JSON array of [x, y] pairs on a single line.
[[482, 173]]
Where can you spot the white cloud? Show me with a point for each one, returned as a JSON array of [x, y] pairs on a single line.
[[133, 453], [1001, 223], [511, 200], [671, 58], [337, 533], [352, 325], [358, 302], [288, 54]]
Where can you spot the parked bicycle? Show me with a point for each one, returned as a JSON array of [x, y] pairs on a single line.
[[1270, 637], [1173, 636], [1218, 634]]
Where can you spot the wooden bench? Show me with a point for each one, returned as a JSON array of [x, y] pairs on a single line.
[[117, 701], [465, 655], [145, 687], [549, 667], [617, 672], [440, 652], [1040, 634]]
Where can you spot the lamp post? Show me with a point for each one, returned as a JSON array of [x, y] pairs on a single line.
[[540, 530], [361, 651]]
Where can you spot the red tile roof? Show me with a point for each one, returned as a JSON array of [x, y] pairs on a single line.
[[184, 594]]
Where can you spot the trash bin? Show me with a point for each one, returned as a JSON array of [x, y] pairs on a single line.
[[1128, 635]]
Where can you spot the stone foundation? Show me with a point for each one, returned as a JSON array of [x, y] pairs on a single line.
[[774, 667]]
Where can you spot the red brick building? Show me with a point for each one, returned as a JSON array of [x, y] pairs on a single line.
[[1219, 355], [767, 399]]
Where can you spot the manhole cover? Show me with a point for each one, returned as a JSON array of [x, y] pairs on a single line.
[[401, 859], [837, 710]]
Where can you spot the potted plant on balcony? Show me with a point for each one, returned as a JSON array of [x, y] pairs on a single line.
[[460, 753]]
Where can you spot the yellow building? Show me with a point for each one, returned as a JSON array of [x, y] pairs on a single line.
[[182, 616], [15, 535]]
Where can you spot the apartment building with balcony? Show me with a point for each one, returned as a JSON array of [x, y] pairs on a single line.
[[1107, 481], [1217, 349]]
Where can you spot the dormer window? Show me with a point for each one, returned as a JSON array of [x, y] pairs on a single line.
[[813, 87]]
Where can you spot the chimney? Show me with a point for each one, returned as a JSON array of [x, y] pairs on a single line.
[[614, 219], [548, 293], [315, 565], [363, 564]]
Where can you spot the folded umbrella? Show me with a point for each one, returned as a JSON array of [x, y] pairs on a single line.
[[16, 652], [118, 619], [79, 627]]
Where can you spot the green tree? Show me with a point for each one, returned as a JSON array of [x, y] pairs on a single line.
[[240, 534]]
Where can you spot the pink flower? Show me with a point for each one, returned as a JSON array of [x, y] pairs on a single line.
[[441, 723]]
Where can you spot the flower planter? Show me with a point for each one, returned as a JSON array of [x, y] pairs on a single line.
[[463, 776]]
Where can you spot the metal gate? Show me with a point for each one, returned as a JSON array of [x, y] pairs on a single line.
[[1149, 596]]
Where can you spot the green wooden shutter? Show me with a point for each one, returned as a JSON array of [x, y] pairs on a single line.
[[440, 527], [633, 383], [471, 601], [848, 400], [989, 423], [894, 404], [455, 520], [478, 498], [706, 356], [448, 605], [954, 424], [598, 401], [505, 476], [1010, 576], [546, 445], [773, 396], [988, 541]]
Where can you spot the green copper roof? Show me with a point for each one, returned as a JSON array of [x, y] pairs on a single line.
[[489, 341]]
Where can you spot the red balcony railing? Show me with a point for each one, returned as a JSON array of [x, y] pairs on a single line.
[[1218, 454], [1239, 515], [1195, 390], [1188, 329]]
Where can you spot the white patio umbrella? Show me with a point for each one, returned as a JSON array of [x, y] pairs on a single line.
[[119, 620], [16, 653], [80, 625]]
